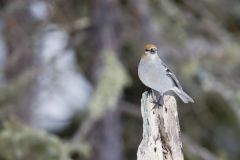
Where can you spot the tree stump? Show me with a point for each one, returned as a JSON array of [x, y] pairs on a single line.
[[161, 131]]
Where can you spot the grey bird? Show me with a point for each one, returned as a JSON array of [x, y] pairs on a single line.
[[153, 73]]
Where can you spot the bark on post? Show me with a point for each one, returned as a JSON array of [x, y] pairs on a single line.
[[161, 131]]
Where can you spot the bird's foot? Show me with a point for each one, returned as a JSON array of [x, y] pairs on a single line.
[[149, 92], [158, 103]]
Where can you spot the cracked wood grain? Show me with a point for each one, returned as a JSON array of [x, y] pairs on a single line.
[[161, 131]]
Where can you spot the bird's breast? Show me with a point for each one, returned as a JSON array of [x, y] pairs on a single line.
[[152, 74]]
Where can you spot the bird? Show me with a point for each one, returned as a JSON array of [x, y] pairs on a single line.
[[155, 74]]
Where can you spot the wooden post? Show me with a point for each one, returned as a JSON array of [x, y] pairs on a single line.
[[161, 131]]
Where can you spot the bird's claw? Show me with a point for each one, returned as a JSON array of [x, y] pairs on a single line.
[[149, 92], [157, 104]]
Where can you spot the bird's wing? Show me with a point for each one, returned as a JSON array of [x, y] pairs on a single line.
[[172, 76]]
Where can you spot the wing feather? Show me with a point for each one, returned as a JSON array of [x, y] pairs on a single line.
[[172, 76]]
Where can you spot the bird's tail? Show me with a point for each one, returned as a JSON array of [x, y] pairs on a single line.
[[184, 96]]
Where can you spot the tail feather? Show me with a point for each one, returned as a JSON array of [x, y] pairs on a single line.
[[183, 96]]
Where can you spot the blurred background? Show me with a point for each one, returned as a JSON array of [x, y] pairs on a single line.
[[69, 88]]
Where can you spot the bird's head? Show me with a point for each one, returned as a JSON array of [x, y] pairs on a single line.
[[150, 52]]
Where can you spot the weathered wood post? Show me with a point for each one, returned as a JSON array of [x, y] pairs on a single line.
[[161, 131]]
